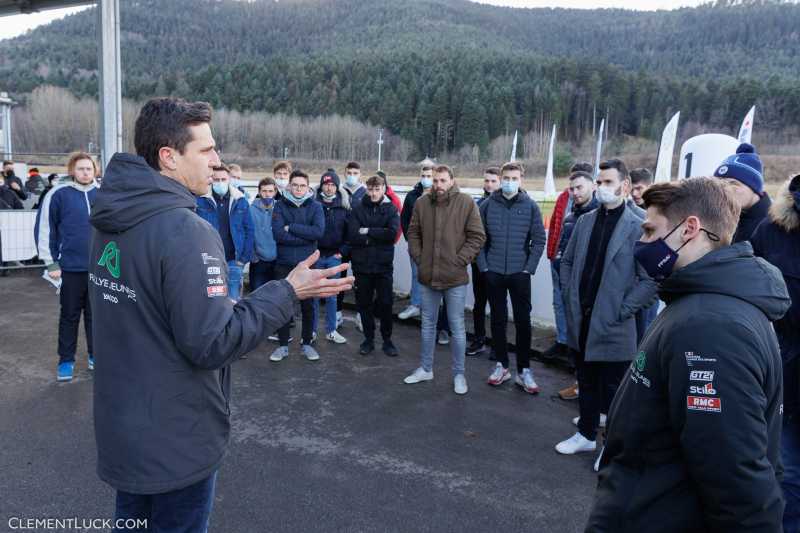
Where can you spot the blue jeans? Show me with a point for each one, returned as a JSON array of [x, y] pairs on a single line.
[[790, 456], [456, 300], [184, 510], [416, 298], [330, 302], [234, 280], [558, 307]]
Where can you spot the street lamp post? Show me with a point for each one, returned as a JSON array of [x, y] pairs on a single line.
[[380, 146]]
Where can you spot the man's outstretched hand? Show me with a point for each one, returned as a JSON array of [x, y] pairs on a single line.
[[314, 283]]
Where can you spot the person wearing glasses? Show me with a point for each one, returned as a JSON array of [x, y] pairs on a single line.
[[298, 222]]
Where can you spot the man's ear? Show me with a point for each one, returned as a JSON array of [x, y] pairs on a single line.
[[692, 227], [166, 158]]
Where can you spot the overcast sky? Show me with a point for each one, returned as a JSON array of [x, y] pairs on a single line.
[[19, 24]]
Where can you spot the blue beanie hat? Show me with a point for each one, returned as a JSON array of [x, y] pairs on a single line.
[[745, 167]]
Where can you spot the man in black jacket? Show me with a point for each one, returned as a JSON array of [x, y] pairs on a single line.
[[423, 186], [777, 240], [694, 431], [164, 330], [371, 229], [743, 174], [12, 181]]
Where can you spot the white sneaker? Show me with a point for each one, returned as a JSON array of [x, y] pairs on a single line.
[[526, 381], [576, 444], [602, 420], [498, 375], [443, 338], [281, 353], [335, 337], [597, 461], [359, 327], [460, 384], [339, 319], [419, 375], [409, 312], [310, 353]]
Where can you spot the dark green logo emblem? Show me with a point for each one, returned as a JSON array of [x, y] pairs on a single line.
[[110, 259], [641, 361]]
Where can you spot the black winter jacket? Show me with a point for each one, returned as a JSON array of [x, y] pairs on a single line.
[[693, 442], [751, 218], [408, 207], [777, 240], [165, 332], [333, 239], [372, 253]]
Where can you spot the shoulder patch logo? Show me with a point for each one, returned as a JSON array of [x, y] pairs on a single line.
[[110, 259], [641, 361]]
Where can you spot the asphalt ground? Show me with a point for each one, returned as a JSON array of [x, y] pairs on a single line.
[[340, 444]]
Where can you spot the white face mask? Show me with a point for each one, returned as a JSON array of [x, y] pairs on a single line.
[[282, 183], [607, 195]]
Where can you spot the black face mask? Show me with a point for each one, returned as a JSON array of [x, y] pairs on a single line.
[[657, 258]]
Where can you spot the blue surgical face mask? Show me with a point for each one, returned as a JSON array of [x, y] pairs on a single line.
[[351, 180], [220, 188], [509, 187], [268, 202], [427, 183]]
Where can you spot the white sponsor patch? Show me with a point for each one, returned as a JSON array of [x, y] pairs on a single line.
[[214, 271], [701, 375]]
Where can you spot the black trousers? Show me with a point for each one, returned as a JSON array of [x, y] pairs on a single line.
[[306, 311], [598, 382], [74, 299], [374, 299], [518, 286], [481, 294]]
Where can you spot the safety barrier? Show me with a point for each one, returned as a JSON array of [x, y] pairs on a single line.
[[16, 238]]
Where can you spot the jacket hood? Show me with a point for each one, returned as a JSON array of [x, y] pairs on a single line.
[[732, 271], [83, 188], [783, 212], [453, 191], [133, 192], [366, 201]]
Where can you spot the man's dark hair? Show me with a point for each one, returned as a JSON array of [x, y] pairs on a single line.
[[582, 166], [494, 171], [268, 181], [618, 165], [298, 174], [282, 165], [641, 175], [165, 122], [706, 198], [441, 169], [513, 166], [33, 169], [580, 174], [426, 167], [222, 168], [376, 181], [7, 162], [352, 164], [52, 177]]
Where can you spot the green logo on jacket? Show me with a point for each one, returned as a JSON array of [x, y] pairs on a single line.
[[641, 361], [110, 259]]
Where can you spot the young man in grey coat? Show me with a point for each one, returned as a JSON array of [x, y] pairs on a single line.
[[603, 289]]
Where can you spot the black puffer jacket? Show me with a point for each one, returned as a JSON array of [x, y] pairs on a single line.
[[408, 207], [751, 218], [373, 252], [777, 240], [694, 430]]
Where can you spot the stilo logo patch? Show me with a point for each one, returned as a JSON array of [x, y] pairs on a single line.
[[641, 361], [110, 259]]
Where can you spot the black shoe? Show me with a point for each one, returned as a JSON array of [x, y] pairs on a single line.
[[477, 347], [554, 352], [389, 349], [367, 347]]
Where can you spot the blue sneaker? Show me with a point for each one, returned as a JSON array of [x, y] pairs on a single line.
[[65, 371], [91, 362]]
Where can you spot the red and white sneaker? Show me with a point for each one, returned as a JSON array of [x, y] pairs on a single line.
[[526, 381], [499, 376]]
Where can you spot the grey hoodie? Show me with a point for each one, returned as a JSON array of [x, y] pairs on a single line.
[[164, 332], [693, 442]]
